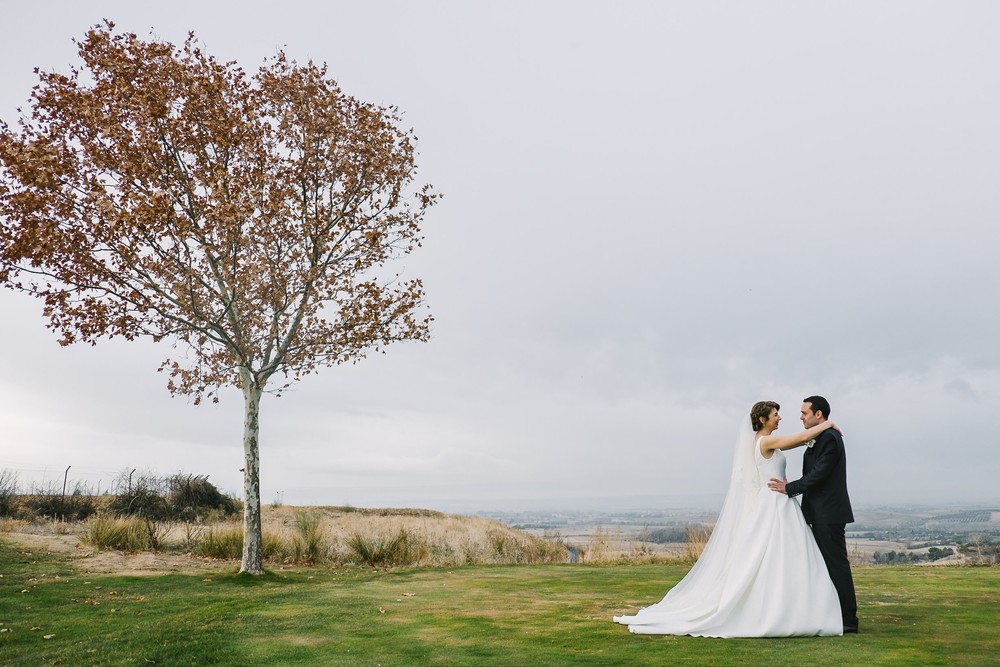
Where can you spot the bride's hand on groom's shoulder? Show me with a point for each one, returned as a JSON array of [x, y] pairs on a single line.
[[835, 427]]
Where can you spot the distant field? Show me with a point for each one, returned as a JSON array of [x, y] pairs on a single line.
[[51, 613]]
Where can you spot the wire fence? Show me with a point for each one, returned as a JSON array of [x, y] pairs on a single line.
[[26, 478]]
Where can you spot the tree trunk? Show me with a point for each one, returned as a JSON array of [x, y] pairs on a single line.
[[253, 553]]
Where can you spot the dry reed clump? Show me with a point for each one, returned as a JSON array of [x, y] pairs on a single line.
[[698, 535], [225, 542], [222, 542], [598, 547], [129, 534], [401, 548], [309, 542]]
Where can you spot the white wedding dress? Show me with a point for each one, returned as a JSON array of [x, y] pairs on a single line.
[[761, 573]]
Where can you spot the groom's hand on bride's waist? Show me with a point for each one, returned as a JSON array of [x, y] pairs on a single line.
[[778, 484]]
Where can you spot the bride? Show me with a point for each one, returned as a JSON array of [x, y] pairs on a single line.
[[761, 573]]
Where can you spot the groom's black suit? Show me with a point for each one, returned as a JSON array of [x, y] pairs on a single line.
[[827, 509]]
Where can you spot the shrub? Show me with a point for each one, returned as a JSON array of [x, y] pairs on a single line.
[[51, 503], [140, 495], [193, 497], [178, 497], [668, 535]]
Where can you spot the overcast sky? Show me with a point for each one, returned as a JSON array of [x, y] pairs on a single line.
[[655, 214]]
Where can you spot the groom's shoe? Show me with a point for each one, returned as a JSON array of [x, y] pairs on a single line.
[[851, 630]]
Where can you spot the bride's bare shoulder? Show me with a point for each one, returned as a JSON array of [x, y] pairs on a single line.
[[762, 447]]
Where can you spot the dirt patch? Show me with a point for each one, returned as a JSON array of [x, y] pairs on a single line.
[[150, 564], [31, 542]]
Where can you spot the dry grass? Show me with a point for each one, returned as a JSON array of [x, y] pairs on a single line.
[[333, 536], [12, 525], [406, 537], [608, 546]]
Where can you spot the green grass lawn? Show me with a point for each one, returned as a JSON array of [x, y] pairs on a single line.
[[499, 615]]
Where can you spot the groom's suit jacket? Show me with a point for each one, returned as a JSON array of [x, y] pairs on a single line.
[[824, 481]]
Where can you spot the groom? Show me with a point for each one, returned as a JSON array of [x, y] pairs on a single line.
[[825, 503]]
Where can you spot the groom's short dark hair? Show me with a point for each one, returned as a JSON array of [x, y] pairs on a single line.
[[819, 404]]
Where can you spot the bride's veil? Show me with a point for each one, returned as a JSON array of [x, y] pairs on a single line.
[[703, 584]]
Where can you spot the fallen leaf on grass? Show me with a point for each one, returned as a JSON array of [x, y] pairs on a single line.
[[408, 595], [381, 610], [36, 628], [47, 636]]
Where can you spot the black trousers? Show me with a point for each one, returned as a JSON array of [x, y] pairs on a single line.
[[833, 545]]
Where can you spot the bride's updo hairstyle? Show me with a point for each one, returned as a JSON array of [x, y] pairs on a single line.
[[761, 410]]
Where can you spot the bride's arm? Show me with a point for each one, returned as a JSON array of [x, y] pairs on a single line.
[[771, 442]]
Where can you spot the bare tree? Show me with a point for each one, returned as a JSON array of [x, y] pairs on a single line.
[[154, 191]]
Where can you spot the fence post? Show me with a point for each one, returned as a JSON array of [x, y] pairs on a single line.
[[65, 477]]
